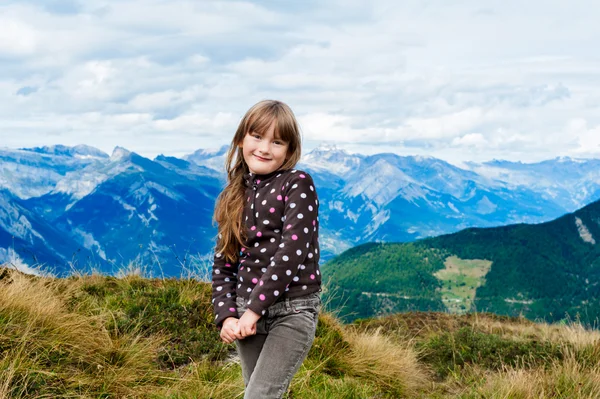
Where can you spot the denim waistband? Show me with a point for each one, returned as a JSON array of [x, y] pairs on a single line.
[[285, 305]]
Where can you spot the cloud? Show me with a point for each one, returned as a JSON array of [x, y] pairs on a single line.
[[448, 125], [17, 38], [430, 78], [470, 140], [588, 138]]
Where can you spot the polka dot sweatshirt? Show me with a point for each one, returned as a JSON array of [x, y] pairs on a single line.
[[281, 256]]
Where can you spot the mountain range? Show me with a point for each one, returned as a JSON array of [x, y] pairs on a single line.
[[74, 207]]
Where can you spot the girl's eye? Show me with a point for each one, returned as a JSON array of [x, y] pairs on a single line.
[[256, 136]]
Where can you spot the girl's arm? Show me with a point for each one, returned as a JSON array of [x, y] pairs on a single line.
[[224, 279], [301, 210]]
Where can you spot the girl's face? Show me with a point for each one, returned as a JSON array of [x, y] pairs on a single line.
[[264, 153]]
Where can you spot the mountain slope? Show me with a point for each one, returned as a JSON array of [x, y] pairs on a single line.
[[545, 270], [148, 214], [549, 271], [569, 182], [28, 239], [31, 172], [386, 197]]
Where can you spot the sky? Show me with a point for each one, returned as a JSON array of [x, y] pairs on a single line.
[[462, 80]]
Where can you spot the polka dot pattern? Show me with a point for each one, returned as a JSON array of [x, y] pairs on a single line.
[[281, 215]]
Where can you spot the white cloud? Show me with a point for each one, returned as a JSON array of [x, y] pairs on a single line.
[[17, 38], [588, 138], [445, 125], [470, 140], [197, 122], [445, 79]]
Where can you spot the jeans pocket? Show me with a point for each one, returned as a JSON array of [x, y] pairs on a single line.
[[309, 308]]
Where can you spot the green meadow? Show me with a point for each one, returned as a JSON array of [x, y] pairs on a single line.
[[460, 279]]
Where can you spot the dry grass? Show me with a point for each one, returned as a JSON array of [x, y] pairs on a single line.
[[374, 357], [207, 380], [566, 379], [81, 337], [573, 333], [48, 350], [420, 325]]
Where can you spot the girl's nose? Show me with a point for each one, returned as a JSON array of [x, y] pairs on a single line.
[[264, 147]]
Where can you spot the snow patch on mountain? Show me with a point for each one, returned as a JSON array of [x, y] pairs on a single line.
[[379, 183], [151, 216], [80, 183], [120, 154], [144, 191], [207, 153], [76, 171], [9, 258], [513, 177], [27, 173], [332, 243], [565, 159], [333, 160], [15, 223], [351, 215], [80, 151], [572, 183], [584, 233], [130, 208], [413, 192], [210, 158], [89, 242], [26, 181], [378, 219], [22, 227], [485, 206], [217, 164], [336, 205], [453, 207]]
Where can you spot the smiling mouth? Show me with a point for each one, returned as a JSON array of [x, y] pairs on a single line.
[[261, 158]]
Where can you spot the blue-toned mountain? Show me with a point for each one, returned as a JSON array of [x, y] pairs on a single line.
[[125, 207], [26, 239], [148, 213], [569, 182], [36, 171]]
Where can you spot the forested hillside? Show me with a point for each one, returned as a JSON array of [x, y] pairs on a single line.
[[546, 271]]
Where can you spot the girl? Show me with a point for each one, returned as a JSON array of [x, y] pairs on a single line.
[[266, 279]]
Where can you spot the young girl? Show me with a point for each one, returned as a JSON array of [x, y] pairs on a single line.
[[266, 279]]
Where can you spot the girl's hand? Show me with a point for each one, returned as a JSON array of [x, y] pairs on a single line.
[[247, 323], [230, 330]]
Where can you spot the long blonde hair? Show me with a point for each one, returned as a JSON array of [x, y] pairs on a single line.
[[229, 208]]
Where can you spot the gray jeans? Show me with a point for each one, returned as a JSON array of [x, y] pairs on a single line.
[[283, 338]]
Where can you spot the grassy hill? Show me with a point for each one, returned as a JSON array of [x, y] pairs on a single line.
[[93, 336], [548, 271]]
